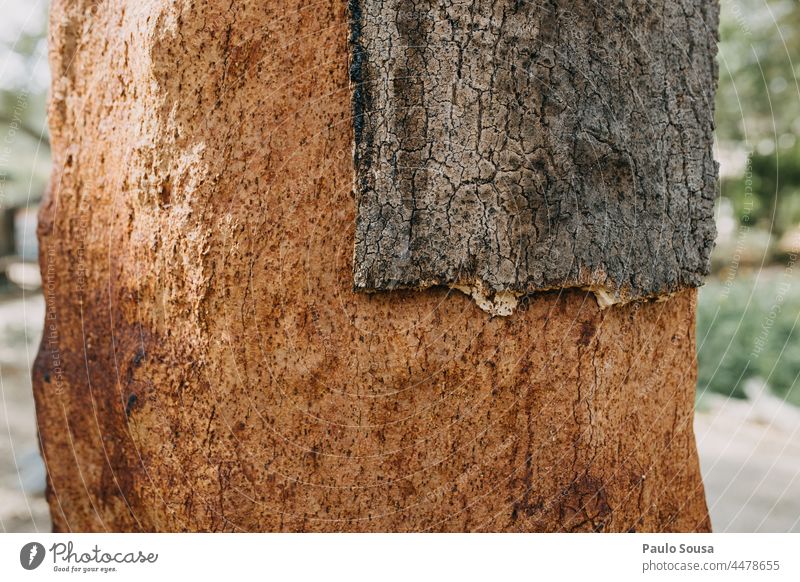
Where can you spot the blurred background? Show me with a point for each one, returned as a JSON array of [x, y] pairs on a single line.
[[24, 168], [748, 397]]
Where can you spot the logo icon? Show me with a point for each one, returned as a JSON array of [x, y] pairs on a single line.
[[31, 555]]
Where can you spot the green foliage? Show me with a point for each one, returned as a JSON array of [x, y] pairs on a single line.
[[776, 183], [758, 89], [774, 188], [750, 328], [758, 108]]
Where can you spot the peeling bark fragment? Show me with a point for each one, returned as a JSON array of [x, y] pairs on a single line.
[[513, 147]]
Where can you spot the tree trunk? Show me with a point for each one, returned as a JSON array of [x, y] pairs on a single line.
[[211, 360]]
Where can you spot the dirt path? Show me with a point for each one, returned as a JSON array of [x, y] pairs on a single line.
[[750, 458], [22, 477]]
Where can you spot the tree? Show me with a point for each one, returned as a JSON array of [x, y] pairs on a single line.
[[215, 359]]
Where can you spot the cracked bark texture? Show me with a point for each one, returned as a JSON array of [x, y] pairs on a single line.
[[520, 146], [207, 366]]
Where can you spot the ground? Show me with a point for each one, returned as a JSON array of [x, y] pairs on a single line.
[[22, 478], [750, 458], [749, 450]]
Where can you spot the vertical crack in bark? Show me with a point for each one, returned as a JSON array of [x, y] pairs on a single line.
[[506, 147]]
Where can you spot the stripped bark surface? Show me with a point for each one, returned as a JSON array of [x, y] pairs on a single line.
[[207, 366], [523, 146]]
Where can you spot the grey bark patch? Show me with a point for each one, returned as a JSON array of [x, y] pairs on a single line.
[[515, 146]]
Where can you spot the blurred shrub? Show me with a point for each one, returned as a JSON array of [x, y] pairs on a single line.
[[748, 327], [767, 195], [758, 110]]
